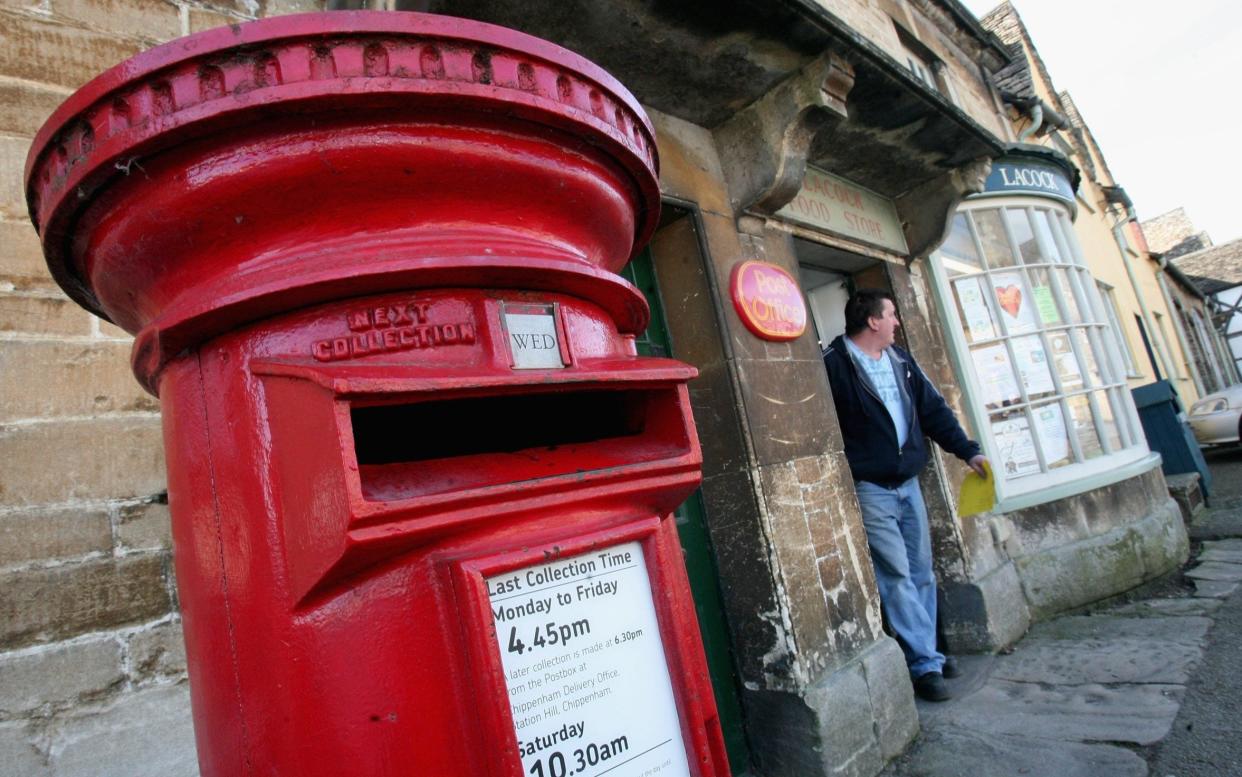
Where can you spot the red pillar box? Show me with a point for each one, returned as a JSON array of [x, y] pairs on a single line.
[[420, 481]]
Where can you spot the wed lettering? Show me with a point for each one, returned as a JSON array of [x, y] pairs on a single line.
[[533, 341]]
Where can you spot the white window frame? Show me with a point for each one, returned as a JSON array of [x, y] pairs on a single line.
[[1113, 465], [1109, 298]]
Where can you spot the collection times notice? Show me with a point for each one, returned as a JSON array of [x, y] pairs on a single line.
[[585, 669]]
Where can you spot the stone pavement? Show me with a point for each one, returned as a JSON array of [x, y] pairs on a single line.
[[1151, 686]]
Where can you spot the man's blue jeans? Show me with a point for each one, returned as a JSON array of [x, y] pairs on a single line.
[[896, 523]]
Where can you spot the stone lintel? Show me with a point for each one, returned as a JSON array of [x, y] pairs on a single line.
[[927, 210], [765, 146]]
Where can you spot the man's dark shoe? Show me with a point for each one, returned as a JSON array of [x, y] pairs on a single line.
[[950, 669], [931, 687]]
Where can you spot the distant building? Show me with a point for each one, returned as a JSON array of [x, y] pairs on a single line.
[[1217, 272], [1173, 234]]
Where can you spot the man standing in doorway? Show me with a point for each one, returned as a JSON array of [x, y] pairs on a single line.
[[885, 405]]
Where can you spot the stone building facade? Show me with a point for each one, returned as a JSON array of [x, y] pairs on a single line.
[[1217, 273], [92, 668], [840, 141]]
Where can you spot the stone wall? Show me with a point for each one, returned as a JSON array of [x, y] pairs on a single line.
[[92, 667]]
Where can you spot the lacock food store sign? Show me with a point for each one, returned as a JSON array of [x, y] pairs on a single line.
[[584, 664], [834, 204]]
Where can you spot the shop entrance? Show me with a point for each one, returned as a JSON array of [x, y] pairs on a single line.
[[828, 276]]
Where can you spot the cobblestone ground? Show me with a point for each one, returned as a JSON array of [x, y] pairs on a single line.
[[1137, 688]]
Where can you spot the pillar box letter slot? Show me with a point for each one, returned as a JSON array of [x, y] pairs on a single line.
[[420, 483], [409, 450]]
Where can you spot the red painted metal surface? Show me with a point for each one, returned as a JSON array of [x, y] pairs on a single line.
[[314, 226]]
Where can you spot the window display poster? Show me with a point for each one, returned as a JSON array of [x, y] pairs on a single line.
[[1047, 305], [975, 313], [995, 374], [1013, 439], [1017, 311], [1066, 361], [1033, 365], [1051, 424]]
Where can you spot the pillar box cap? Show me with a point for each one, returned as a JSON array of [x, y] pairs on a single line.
[[252, 169]]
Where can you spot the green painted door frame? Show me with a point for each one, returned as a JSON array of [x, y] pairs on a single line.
[[696, 547]]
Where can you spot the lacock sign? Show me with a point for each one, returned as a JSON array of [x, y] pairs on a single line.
[[584, 664]]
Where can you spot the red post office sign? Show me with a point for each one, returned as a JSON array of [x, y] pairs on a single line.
[[768, 301]]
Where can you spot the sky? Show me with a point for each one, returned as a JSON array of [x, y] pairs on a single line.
[[1158, 85]]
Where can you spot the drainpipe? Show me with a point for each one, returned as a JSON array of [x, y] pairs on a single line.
[[1039, 112], [1115, 195]]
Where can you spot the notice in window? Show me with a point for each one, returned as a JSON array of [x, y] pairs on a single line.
[[1032, 361], [1013, 439], [1047, 305], [976, 317], [1066, 361], [1051, 424], [1017, 311], [584, 664], [995, 374]]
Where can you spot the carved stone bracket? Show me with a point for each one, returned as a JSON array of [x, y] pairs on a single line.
[[926, 211], [764, 147]]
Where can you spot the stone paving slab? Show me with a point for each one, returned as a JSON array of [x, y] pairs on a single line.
[[1213, 553], [1100, 661], [1216, 570], [1228, 545], [1159, 608], [958, 753], [1185, 630], [1216, 589], [1139, 714]]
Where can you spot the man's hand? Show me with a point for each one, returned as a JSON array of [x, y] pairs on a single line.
[[976, 463]]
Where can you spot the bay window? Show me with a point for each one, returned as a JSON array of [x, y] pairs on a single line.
[[1044, 373]]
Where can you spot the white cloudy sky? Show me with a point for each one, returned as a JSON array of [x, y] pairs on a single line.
[[1158, 84]]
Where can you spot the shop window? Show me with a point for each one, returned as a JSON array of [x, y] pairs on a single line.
[[1045, 373], [1114, 318]]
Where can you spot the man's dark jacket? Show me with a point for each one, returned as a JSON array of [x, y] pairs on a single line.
[[870, 439]]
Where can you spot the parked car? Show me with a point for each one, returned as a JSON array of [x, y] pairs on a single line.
[[1217, 418]]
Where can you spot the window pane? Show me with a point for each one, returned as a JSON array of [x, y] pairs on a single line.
[[1066, 361], [959, 254], [1043, 233], [1088, 357], [1084, 427], [1014, 444], [996, 376], [992, 236], [1050, 421], [1067, 294], [1085, 284], [1032, 362], [972, 309], [1108, 368], [1023, 235], [1108, 420], [1014, 302], [1067, 231], [1058, 237], [1045, 300]]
